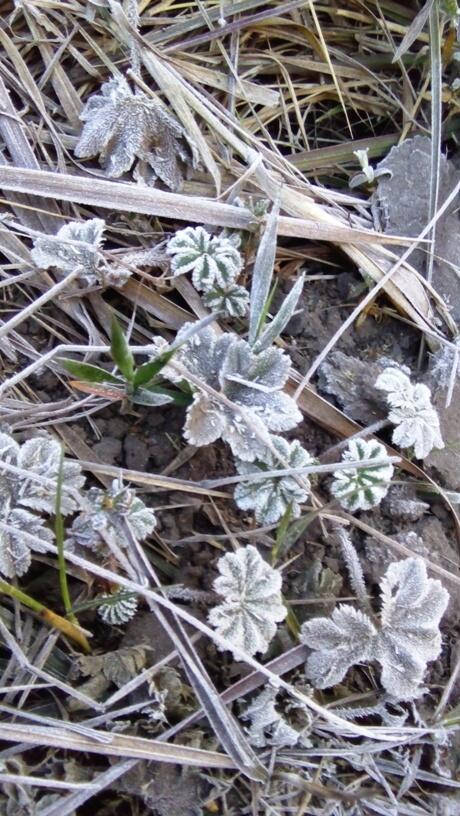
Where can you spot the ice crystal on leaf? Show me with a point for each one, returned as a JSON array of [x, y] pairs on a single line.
[[41, 456], [405, 640], [106, 516], [412, 607], [411, 410], [76, 244], [252, 382], [126, 127], [117, 608], [270, 497], [252, 603], [20, 533], [233, 301], [364, 487], [213, 261], [268, 726]]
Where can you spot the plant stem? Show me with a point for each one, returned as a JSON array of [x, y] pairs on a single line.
[[67, 627], [59, 532]]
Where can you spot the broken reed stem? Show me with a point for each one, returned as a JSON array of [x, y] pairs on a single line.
[[67, 627]]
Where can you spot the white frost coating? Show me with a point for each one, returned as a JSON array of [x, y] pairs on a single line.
[[252, 604], [406, 639], [106, 517], [213, 261], [251, 381], [270, 498], [127, 128], [411, 410], [362, 488], [117, 608]]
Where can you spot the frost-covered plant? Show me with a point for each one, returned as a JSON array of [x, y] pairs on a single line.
[[127, 128], [411, 410], [233, 300], [20, 533], [39, 457], [117, 608], [253, 383], [402, 642], [78, 245], [268, 726], [214, 262], [252, 603], [270, 497], [107, 514], [360, 488]]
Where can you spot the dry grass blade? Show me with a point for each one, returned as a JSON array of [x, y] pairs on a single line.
[[116, 745]]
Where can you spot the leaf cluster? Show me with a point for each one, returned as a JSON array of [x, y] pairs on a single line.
[[406, 637]]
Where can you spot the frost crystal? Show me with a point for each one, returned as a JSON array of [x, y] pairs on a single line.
[[214, 262], [268, 726], [406, 639], [252, 604], [253, 382], [364, 487], [125, 127], [270, 498], [106, 517], [15, 547], [416, 420], [77, 244], [117, 608], [233, 301], [41, 457]]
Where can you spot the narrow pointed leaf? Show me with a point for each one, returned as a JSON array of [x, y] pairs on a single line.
[[146, 372], [263, 272], [414, 30], [87, 372], [282, 318], [121, 353]]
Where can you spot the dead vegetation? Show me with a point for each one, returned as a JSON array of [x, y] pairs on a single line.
[[317, 140]]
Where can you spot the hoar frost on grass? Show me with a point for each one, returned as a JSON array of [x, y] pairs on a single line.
[[252, 603], [360, 488], [402, 642], [411, 410], [270, 497], [252, 382]]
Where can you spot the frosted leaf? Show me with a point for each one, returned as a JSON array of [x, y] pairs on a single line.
[[406, 639], [411, 410], [268, 727], [253, 382], [364, 487], [127, 128], [77, 244], [252, 604], [233, 300], [214, 261], [270, 498], [41, 456], [107, 513], [15, 547], [341, 641], [9, 449], [412, 607], [117, 608]]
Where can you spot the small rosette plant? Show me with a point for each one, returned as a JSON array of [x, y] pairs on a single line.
[[360, 488], [271, 496]]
